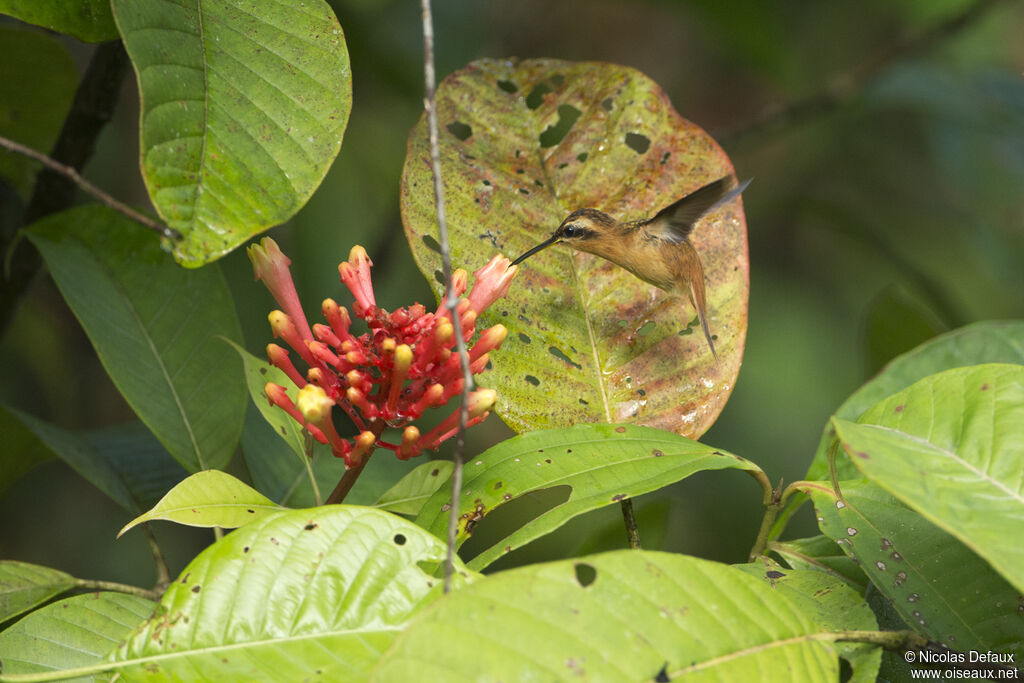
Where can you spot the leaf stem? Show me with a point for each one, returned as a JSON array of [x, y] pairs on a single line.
[[450, 300], [74, 176], [163, 575], [89, 585], [308, 462], [348, 480], [632, 530], [773, 504]]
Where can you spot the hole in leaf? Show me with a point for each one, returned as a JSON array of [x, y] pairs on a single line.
[[512, 513], [581, 157], [664, 157], [399, 539], [567, 116], [536, 96], [523, 190], [558, 353], [532, 380], [607, 104], [431, 243], [460, 130], [525, 338], [507, 86], [638, 143], [584, 402], [646, 328], [585, 574]]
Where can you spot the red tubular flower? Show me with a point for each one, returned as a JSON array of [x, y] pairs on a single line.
[[388, 376]]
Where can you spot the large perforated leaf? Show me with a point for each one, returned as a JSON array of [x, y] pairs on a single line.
[[522, 145]]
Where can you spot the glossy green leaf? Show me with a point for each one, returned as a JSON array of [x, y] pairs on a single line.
[[24, 586], [832, 604], [950, 448], [600, 464], [619, 616], [76, 632], [243, 109], [210, 498], [984, 342], [318, 593], [155, 328], [37, 82], [820, 553], [937, 585], [88, 20], [125, 462], [411, 493], [588, 342]]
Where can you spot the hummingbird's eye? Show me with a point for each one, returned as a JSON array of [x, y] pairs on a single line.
[[572, 230]]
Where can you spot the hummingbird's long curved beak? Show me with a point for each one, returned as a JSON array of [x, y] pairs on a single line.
[[543, 245]]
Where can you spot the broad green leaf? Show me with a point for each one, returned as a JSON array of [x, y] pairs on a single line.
[[524, 143], [22, 449], [820, 553], [317, 593], [619, 616], [259, 373], [155, 327], [23, 586], [125, 462], [243, 109], [601, 464], [76, 632], [938, 586], [832, 604], [210, 498], [984, 342], [88, 20], [950, 448], [37, 82], [412, 491]]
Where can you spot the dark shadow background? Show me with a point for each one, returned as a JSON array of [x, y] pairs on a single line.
[[885, 211]]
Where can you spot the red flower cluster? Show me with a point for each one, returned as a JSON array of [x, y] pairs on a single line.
[[388, 376]]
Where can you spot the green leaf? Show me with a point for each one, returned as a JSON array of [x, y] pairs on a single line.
[[619, 616], [87, 20], [37, 82], [24, 586], [984, 342], [588, 342], [949, 447], [830, 602], [155, 329], [76, 632], [317, 593], [820, 553], [412, 491], [210, 498], [938, 586], [125, 462], [243, 111], [22, 449], [601, 465]]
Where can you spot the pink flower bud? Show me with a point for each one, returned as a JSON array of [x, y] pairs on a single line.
[[355, 273], [491, 283], [271, 266], [314, 404], [409, 447], [283, 327]]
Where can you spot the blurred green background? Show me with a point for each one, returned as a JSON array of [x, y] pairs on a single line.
[[888, 209]]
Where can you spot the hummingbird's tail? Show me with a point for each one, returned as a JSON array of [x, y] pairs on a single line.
[[699, 302]]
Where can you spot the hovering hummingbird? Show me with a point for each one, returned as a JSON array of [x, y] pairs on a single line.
[[657, 250]]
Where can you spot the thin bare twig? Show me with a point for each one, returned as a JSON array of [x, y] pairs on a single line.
[[846, 85], [632, 530], [75, 177], [450, 300]]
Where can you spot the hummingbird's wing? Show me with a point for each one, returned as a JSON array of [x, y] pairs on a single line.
[[674, 223]]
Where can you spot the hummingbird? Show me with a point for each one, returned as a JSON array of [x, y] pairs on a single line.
[[657, 250]]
